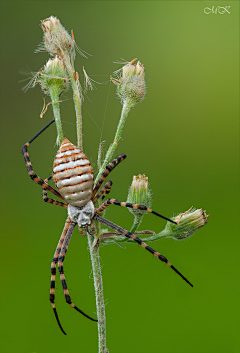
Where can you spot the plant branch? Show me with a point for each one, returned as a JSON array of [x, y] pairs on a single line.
[[98, 284], [56, 113], [127, 105], [77, 97], [136, 223]]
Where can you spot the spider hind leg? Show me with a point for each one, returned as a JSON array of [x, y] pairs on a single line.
[[30, 170], [103, 192], [108, 170], [49, 200]]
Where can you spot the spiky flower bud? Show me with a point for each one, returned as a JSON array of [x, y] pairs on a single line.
[[54, 77], [56, 39], [188, 223], [139, 193], [131, 83]]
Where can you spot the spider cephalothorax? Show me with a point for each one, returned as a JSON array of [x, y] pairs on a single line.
[[74, 180]]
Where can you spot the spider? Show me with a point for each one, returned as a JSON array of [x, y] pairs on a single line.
[[74, 180]]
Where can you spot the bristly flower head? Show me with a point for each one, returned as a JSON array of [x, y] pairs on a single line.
[[54, 77], [188, 223], [130, 82], [55, 38], [139, 193]]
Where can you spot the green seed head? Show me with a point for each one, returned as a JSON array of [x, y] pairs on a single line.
[[131, 83], [139, 193], [56, 39], [54, 77], [188, 223]]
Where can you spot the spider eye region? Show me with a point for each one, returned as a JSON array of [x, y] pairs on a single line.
[[82, 216]]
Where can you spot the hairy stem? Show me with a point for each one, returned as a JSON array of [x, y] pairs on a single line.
[[122, 239], [136, 223], [98, 284], [124, 114], [77, 97], [56, 113]]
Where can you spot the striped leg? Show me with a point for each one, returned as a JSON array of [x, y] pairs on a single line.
[[53, 270], [140, 242], [48, 200], [103, 192], [60, 269], [130, 205], [30, 171], [108, 169], [83, 232]]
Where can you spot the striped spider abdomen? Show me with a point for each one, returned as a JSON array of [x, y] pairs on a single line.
[[73, 174]]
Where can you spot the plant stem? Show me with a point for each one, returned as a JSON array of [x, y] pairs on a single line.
[[56, 113], [127, 105], [78, 105], [77, 97], [98, 284], [136, 223], [122, 239], [94, 250]]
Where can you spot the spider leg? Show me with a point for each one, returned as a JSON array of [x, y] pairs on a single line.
[[82, 232], [140, 242], [48, 200], [92, 228], [53, 271], [130, 205], [61, 272], [30, 171], [103, 192], [108, 169]]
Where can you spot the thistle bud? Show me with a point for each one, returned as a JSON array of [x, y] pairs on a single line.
[[54, 77], [139, 193], [131, 83], [188, 223], [55, 38]]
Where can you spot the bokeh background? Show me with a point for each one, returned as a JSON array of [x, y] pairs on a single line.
[[183, 136]]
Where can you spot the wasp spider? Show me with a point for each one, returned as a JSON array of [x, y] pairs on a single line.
[[74, 180]]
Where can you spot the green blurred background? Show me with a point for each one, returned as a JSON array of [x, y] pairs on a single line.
[[184, 136]]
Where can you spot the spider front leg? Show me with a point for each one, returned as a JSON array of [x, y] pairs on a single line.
[[130, 205], [48, 200], [83, 231], [53, 271], [30, 171], [140, 242], [90, 229], [61, 258]]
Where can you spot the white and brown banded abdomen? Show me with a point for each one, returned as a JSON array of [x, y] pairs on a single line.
[[73, 174]]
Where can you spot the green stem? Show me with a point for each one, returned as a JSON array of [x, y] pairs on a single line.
[[121, 239], [136, 223], [98, 284], [77, 97], [56, 112], [161, 235], [127, 105], [94, 250]]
